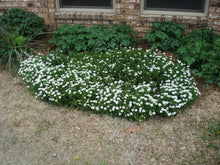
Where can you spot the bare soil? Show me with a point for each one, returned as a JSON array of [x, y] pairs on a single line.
[[36, 132]]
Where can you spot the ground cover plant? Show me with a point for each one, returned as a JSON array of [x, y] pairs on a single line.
[[100, 38], [131, 83], [17, 29]]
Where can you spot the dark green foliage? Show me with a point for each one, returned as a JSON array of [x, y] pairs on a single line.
[[201, 50], [99, 38], [165, 36], [17, 29], [193, 44], [20, 22]]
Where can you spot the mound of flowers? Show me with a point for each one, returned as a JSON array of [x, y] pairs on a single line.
[[131, 83]]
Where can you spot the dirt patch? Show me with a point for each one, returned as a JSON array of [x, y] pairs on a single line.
[[42, 44], [36, 132]]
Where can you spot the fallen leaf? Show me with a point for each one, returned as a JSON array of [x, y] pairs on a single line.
[[77, 128], [98, 148], [121, 140], [163, 143], [163, 159], [28, 122], [132, 130], [152, 159], [183, 148]]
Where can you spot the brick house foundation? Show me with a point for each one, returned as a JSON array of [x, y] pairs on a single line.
[[140, 14]]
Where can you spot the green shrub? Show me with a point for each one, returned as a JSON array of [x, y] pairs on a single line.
[[201, 50], [165, 36], [131, 83], [99, 38], [17, 29], [22, 23]]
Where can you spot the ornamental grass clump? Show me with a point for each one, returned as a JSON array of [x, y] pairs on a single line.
[[130, 83], [18, 29]]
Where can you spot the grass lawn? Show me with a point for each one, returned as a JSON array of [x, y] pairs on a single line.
[[35, 132]]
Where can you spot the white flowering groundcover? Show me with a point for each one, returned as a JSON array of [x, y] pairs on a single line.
[[131, 83]]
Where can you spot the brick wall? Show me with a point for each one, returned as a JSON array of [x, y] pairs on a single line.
[[126, 11], [214, 15]]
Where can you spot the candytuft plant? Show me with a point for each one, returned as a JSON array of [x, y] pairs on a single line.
[[131, 83]]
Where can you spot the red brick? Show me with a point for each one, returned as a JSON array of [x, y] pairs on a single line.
[[126, 11]]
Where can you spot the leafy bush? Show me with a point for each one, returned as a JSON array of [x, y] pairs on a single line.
[[201, 50], [17, 29], [21, 23], [131, 83], [165, 36], [99, 38]]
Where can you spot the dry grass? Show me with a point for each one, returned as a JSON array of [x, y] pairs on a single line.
[[35, 132]]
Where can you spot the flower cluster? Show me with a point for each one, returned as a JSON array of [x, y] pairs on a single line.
[[131, 83]]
